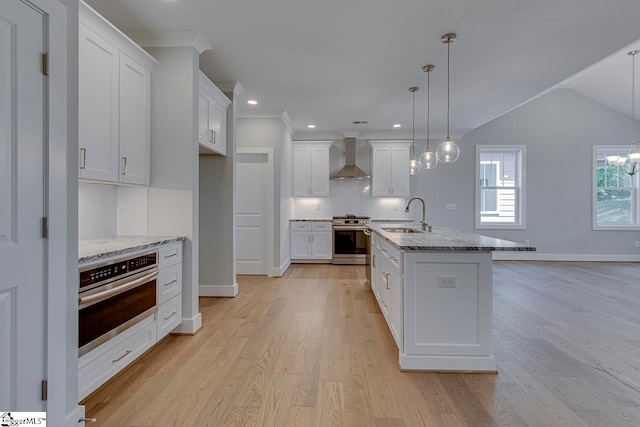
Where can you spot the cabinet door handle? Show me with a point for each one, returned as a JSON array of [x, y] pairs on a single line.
[[374, 260], [212, 136], [124, 166], [83, 158], [170, 316], [121, 357], [389, 190], [387, 276], [171, 282]]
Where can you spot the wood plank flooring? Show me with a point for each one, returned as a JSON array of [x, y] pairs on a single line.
[[312, 349]]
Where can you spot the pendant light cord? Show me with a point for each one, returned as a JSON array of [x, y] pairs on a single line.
[[633, 86], [448, 84], [413, 124], [428, 85]]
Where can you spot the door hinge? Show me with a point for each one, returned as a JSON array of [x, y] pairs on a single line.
[[45, 227], [44, 390], [45, 63]]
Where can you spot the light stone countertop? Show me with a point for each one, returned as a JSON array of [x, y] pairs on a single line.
[[312, 219], [444, 240], [95, 249]]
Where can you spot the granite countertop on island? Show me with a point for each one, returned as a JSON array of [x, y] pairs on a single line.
[[95, 249], [444, 240]]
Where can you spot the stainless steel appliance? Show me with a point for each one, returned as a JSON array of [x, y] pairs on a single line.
[[349, 239], [114, 296]]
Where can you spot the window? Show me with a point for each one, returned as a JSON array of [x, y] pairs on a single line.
[[500, 186], [615, 193]]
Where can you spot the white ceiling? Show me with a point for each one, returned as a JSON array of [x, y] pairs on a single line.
[[331, 62]]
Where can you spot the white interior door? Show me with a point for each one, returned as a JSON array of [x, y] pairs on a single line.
[[22, 87], [252, 175]]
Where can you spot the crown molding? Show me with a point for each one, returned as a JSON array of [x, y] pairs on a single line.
[[230, 86], [171, 39]]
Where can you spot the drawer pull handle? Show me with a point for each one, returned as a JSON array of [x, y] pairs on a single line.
[[122, 357], [170, 316], [124, 166], [394, 259], [171, 282], [87, 420], [170, 256], [384, 250]]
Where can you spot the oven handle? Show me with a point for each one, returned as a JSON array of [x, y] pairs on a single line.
[[101, 296], [349, 228]]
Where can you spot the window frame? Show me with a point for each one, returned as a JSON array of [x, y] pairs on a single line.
[[519, 189], [635, 193]]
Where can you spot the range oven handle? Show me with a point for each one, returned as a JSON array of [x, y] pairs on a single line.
[[367, 232], [350, 227], [103, 295]]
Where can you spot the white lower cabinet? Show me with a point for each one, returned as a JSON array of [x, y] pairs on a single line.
[[102, 363], [387, 285], [311, 240]]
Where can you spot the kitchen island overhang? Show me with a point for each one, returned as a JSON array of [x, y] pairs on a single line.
[[435, 291]]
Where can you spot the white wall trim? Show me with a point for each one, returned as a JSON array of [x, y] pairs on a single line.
[[230, 86], [171, 39], [209, 290], [189, 326], [311, 261], [279, 272], [533, 256], [415, 362]]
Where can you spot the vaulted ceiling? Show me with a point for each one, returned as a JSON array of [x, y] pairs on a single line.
[[332, 62]]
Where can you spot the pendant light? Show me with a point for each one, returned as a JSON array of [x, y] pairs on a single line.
[[414, 167], [448, 151], [428, 159], [634, 155]]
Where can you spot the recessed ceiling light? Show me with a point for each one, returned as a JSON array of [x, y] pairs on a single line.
[[397, 125], [252, 102], [311, 126]]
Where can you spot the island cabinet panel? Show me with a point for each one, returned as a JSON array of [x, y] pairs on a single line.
[[448, 304]]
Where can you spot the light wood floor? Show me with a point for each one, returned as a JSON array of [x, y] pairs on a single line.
[[312, 349]]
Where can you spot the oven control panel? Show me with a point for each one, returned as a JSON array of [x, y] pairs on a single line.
[[351, 221], [115, 270]]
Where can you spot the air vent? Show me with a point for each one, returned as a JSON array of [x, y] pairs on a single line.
[[360, 122]]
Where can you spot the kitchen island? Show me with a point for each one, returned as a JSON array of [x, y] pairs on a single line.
[[435, 292]]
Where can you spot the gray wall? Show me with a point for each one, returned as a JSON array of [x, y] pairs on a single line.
[[559, 130], [272, 132]]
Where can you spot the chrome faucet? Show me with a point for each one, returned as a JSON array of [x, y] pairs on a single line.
[[423, 223]]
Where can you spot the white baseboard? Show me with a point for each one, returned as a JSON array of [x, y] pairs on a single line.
[[311, 261], [534, 256], [71, 420], [189, 326], [416, 362], [207, 290], [279, 272]]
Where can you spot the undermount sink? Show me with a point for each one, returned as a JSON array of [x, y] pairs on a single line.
[[400, 230]]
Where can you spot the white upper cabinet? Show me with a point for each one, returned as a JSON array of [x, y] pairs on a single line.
[[390, 168], [212, 118], [114, 103], [311, 168]]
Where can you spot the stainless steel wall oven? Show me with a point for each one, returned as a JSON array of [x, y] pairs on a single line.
[[114, 296], [349, 239]]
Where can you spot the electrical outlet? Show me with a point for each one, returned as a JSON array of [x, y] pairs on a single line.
[[526, 241], [446, 281], [637, 243], [450, 206]]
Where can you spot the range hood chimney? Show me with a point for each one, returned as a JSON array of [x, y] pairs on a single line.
[[350, 170]]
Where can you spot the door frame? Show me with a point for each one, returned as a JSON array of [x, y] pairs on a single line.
[[270, 204], [61, 208]]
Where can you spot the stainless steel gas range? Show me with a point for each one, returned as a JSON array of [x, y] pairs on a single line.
[[350, 239]]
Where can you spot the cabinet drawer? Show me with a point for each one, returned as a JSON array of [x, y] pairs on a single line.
[[169, 283], [321, 226], [170, 255], [102, 363], [300, 226], [169, 315]]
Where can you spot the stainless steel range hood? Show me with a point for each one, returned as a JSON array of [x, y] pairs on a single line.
[[350, 170]]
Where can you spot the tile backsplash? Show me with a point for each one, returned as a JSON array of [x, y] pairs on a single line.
[[349, 197]]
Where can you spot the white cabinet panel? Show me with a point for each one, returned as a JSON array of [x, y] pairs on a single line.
[[321, 245], [135, 122], [390, 169], [114, 103], [300, 245], [169, 316], [311, 169], [212, 118], [98, 107]]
